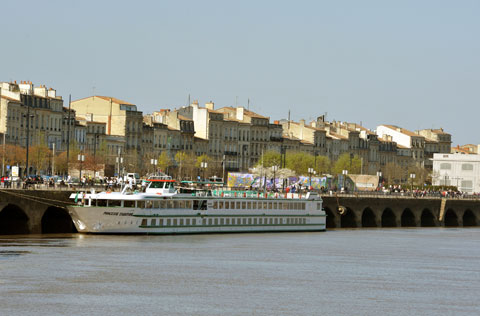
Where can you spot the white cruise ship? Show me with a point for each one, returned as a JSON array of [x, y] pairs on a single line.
[[161, 209]]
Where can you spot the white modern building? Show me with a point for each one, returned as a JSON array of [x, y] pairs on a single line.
[[462, 171]]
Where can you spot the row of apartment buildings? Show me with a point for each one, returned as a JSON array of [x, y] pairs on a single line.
[[234, 136]]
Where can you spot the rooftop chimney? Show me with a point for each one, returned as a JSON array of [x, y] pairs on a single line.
[[210, 105]]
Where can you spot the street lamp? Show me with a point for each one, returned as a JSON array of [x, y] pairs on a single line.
[[81, 158], [119, 160], [344, 173], [310, 171], [28, 116], [154, 163], [274, 169], [379, 175], [412, 176], [204, 166]]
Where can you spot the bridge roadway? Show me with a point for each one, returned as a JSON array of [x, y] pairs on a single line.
[[43, 211]]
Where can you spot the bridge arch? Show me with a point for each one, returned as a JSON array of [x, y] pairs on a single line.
[[368, 218], [348, 220], [451, 218], [388, 218], [13, 220], [331, 218], [408, 219], [469, 219], [57, 220], [427, 219]]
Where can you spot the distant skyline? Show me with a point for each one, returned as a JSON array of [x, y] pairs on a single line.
[[414, 64]]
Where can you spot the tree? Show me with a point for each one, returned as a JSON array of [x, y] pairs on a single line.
[[393, 173], [323, 166], [299, 162], [181, 159], [347, 161], [269, 158], [164, 162]]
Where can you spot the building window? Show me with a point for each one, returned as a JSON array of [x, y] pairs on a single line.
[[445, 166], [467, 167]]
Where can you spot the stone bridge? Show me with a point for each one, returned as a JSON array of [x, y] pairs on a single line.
[[397, 211], [34, 212], [43, 211]]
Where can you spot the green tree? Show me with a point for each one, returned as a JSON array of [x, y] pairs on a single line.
[[181, 158], [164, 162], [323, 166], [299, 162], [202, 158], [269, 158], [349, 162]]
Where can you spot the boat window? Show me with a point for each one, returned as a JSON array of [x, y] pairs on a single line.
[[210, 221], [176, 204], [203, 205], [244, 221], [170, 204], [175, 222], [227, 205], [238, 206], [114, 203], [215, 205], [156, 204], [148, 204], [160, 222], [270, 205], [156, 185], [259, 205], [169, 222], [196, 204], [181, 222], [222, 221], [220, 205], [303, 206], [265, 205], [144, 222], [274, 205], [204, 221], [187, 222], [244, 205], [319, 206], [216, 221], [154, 222], [249, 205], [285, 205], [188, 205], [128, 203], [101, 202]]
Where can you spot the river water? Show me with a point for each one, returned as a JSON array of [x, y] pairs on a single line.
[[418, 271]]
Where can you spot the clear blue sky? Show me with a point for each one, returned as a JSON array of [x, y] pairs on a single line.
[[415, 64]]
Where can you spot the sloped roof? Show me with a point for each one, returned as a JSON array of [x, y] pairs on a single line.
[[401, 130], [114, 100]]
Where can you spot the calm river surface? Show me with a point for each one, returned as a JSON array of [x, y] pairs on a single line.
[[340, 272]]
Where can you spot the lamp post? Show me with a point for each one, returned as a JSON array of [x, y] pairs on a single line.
[[344, 173], [379, 175], [204, 166], [81, 158], [95, 137], [28, 116], [69, 122], [119, 160], [310, 171], [274, 169], [154, 164], [412, 176]]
